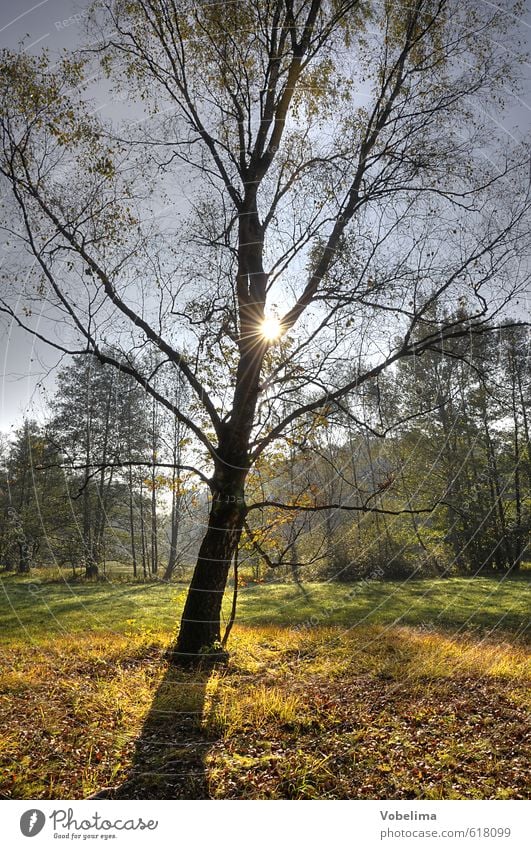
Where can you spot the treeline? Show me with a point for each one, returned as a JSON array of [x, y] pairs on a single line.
[[436, 482], [426, 472], [98, 482]]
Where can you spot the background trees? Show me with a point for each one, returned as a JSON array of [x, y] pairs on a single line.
[[342, 187], [32, 498], [461, 454], [94, 482]]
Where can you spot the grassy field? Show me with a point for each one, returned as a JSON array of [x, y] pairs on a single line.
[[40, 609], [369, 690]]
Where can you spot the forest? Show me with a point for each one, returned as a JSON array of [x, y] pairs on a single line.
[[100, 486]]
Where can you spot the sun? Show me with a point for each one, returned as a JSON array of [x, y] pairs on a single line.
[[271, 328]]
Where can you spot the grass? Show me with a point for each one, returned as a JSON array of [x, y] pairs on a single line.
[[364, 691], [35, 607]]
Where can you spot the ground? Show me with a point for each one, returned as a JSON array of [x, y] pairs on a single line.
[[369, 690]]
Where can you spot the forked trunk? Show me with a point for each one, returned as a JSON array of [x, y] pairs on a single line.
[[91, 567]]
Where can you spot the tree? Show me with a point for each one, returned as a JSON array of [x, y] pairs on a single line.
[[99, 421], [342, 182], [22, 506], [462, 439], [32, 498], [515, 364]]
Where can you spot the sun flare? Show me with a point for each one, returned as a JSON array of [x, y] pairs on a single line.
[[271, 328]]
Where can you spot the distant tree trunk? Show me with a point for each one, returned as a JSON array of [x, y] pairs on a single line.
[[174, 534], [91, 564], [145, 564], [519, 531], [24, 560], [525, 422], [353, 447], [295, 563], [430, 555], [106, 506], [383, 552], [154, 529], [503, 554], [175, 499], [91, 567], [331, 547], [132, 522], [451, 470], [104, 483], [232, 616], [294, 548]]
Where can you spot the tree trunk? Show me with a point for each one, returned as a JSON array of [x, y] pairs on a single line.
[[89, 556], [154, 523], [132, 521], [24, 561], [91, 568], [175, 523], [176, 493], [143, 533], [100, 520], [504, 554], [175, 500], [154, 527], [519, 534], [525, 422], [200, 631]]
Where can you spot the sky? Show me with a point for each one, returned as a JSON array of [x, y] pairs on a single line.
[[27, 365]]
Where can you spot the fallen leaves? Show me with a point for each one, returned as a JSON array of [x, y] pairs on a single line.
[[325, 715]]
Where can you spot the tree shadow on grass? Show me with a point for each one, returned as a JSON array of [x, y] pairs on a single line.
[[170, 752]]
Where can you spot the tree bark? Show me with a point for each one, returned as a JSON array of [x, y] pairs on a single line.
[[199, 637], [200, 631]]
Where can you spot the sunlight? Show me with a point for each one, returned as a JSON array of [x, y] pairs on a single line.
[[271, 328]]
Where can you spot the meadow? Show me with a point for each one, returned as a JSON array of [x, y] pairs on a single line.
[[380, 689]]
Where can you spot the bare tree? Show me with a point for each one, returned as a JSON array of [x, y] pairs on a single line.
[[309, 178]]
